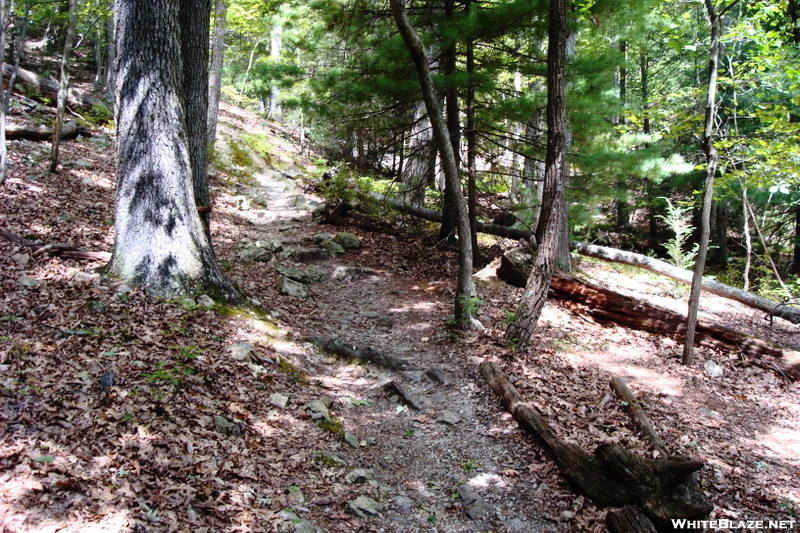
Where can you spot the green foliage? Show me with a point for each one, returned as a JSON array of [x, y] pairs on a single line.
[[678, 219]]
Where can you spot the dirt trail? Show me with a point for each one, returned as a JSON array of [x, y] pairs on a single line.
[[419, 458]]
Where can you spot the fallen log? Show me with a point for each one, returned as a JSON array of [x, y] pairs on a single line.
[[436, 216], [638, 415], [618, 256], [46, 90], [684, 276], [605, 305], [612, 476], [66, 251], [365, 353], [14, 132]]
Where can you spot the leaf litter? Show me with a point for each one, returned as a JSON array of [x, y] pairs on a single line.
[[122, 412]]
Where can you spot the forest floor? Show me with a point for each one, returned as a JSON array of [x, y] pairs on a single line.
[[123, 412]]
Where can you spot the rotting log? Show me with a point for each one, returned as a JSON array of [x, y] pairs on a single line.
[[605, 305], [14, 132], [46, 90], [665, 488]]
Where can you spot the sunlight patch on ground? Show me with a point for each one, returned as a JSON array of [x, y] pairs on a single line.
[[487, 480], [782, 442], [419, 306]]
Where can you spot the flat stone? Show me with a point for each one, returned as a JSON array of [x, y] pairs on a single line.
[[365, 507], [27, 281], [436, 375], [224, 425], [292, 288], [474, 505], [294, 274], [333, 247], [255, 253], [322, 237], [242, 351], [21, 259], [279, 400], [359, 476], [447, 417], [404, 502], [307, 255]]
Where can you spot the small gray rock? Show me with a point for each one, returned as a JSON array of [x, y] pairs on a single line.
[[350, 439], [307, 255], [404, 502], [713, 369], [359, 476], [29, 282], [319, 411], [255, 253], [294, 274], [364, 507], [333, 247], [322, 237], [205, 300], [348, 241], [447, 417], [279, 400], [436, 375], [224, 425], [474, 505]]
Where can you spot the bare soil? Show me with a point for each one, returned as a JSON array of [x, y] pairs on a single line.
[[188, 438]]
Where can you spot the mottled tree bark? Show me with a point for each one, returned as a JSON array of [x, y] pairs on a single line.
[[160, 241]]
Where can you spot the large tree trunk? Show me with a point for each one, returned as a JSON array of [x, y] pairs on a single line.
[[160, 241], [64, 84], [415, 47], [215, 73], [684, 276], [530, 307]]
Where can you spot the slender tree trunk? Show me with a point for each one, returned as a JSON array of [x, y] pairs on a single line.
[[533, 299], [64, 82], [3, 107], [712, 160], [472, 147], [161, 243], [110, 58], [194, 19], [215, 74], [621, 203], [276, 46], [453, 118], [415, 47]]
